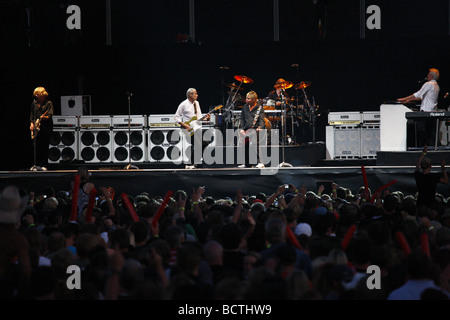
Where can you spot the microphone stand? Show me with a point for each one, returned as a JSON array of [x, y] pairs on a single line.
[[129, 165], [283, 129], [35, 167]]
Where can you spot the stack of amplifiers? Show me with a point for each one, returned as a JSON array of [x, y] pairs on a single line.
[[343, 137], [95, 139], [129, 138], [370, 134], [166, 140], [353, 135], [64, 144]]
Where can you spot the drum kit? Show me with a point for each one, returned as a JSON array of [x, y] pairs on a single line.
[[280, 112]]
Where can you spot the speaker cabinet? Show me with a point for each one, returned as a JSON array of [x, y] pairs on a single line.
[[64, 144], [343, 142], [370, 141], [129, 143], [166, 145], [77, 105], [95, 139]]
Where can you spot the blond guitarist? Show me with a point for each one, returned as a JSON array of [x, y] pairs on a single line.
[[187, 110], [41, 125]]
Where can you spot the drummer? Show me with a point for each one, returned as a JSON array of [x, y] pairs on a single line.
[[276, 96]]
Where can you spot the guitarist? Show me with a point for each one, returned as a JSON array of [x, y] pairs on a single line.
[[41, 124], [187, 110], [252, 117]]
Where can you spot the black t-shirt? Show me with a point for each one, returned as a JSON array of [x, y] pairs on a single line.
[[426, 187]]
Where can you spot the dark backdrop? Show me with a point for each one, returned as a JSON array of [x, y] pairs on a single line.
[[145, 58]]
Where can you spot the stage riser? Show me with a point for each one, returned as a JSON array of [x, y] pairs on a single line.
[[220, 182], [409, 158], [231, 156]]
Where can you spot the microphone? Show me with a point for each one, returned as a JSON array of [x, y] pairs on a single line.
[[423, 80], [129, 94], [224, 68]]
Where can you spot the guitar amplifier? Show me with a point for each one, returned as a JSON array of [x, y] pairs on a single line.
[[95, 122], [344, 118], [69, 122], [162, 121], [371, 117], [136, 121]]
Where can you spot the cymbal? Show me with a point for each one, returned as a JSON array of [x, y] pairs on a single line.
[[269, 108], [243, 79], [233, 86], [284, 85], [303, 85]]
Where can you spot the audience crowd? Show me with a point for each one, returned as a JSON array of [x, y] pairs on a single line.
[[293, 244]]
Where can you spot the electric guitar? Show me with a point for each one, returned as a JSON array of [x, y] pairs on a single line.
[[195, 123], [37, 126]]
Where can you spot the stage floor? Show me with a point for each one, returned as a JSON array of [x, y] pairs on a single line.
[[309, 168]]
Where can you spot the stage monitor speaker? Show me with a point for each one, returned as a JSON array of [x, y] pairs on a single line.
[[347, 142], [165, 145], [95, 139], [370, 141], [77, 105], [129, 141], [63, 144]]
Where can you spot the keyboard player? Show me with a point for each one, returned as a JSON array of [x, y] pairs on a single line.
[[428, 97]]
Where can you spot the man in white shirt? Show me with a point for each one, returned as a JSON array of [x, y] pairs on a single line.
[[188, 109], [428, 95]]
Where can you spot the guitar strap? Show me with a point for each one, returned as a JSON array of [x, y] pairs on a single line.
[[256, 116], [197, 113]]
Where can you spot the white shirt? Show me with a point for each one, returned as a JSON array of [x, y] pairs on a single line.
[[429, 95], [186, 110]]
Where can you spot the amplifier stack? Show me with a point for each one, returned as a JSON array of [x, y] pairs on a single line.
[[353, 135], [119, 139]]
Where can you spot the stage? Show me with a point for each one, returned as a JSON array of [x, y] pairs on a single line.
[[309, 168]]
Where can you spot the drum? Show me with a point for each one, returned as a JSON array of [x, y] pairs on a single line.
[[269, 104]]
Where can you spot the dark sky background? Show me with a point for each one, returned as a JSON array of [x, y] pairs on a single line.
[[347, 73]]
